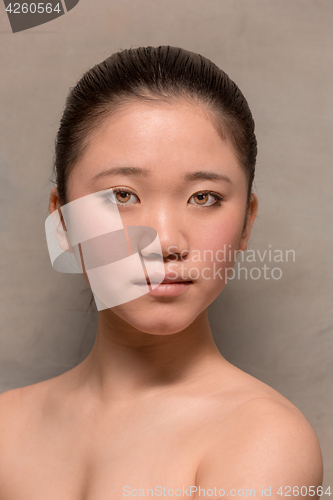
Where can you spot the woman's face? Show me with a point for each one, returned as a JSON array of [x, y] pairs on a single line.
[[179, 177]]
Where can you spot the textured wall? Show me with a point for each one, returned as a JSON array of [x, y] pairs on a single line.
[[280, 54]]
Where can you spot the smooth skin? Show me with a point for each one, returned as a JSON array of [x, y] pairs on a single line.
[[155, 403]]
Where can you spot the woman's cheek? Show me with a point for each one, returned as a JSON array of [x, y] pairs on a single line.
[[223, 243], [213, 258]]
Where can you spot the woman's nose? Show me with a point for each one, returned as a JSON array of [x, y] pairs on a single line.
[[171, 232]]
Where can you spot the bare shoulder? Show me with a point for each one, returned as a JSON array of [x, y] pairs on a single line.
[[265, 441], [10, 406], [21, 405], [22, 412], [10, 416], [12, 400], [278, 426]]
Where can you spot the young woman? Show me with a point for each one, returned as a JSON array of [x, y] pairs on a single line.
[[155, 409]]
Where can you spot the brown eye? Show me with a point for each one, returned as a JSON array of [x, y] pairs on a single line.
[[201, 198], [205, 199], [123, 196], [119, 196]]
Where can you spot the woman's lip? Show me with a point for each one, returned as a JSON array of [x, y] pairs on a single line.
[[172, 281], [168, 289], [164, 282]]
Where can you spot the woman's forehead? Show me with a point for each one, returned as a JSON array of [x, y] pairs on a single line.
[[158, 137]]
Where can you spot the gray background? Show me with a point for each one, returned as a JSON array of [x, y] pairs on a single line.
[[280, 54]]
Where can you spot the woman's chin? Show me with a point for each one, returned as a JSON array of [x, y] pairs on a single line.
[[158, 327], [154, 323]]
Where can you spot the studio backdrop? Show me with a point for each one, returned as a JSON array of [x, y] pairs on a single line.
[[274, 319]]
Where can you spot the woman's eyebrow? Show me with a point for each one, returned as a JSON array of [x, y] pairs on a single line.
[[204, 175], [139, 172]]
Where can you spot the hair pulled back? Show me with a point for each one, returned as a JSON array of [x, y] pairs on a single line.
[[147, 73]]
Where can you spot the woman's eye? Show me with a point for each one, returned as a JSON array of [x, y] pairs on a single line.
[[124, 196], [120, 197], [205, 198]]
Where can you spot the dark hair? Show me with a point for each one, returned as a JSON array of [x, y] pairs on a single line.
[[147, 73]]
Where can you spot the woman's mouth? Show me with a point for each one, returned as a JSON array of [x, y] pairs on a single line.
[[168, 287]]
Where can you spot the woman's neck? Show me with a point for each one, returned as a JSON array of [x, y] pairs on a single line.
[[126, 363]]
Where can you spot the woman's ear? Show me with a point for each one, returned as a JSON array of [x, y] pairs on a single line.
[[250, 218], [54, 201], [59, 223]]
